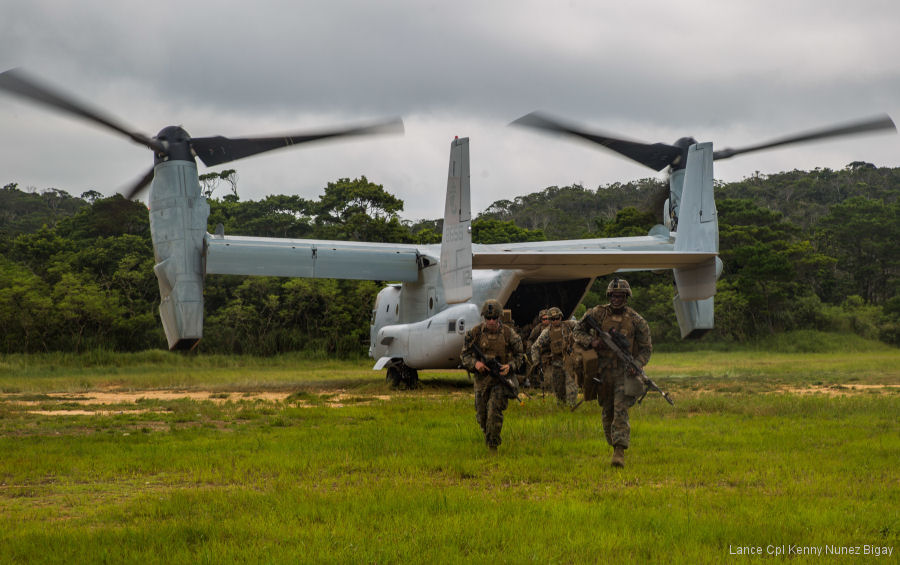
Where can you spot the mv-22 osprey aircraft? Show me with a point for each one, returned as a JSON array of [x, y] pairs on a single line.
[[419, 321]]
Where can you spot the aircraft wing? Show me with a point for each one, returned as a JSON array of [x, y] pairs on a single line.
[[311, 258], [557, 264]]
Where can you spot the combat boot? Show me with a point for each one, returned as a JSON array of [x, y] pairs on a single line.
[[618, 458]]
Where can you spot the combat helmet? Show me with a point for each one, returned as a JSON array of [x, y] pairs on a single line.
[[618, 284], [491, 308], [555, 313]]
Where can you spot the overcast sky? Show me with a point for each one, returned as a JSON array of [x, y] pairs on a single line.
[[733, 72]]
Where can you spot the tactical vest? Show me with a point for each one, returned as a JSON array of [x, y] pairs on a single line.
[[558, 341], [622, 323], [494, 344]]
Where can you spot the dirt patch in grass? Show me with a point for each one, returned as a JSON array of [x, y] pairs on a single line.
[[89, 412], [842, 389], [133, 402], [739, 387], [116, 402]]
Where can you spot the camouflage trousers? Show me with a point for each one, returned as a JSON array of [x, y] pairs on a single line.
[[546, 374], [575, 365], [615, 405], [564, 385], [490, 402]]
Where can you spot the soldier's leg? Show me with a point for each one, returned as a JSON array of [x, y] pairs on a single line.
[[525, 380], [481, 403], [547, 375], [496, 405], [559, 383], [591, 386], [571, 388], [575, 367], [606, 401], [621, 429]]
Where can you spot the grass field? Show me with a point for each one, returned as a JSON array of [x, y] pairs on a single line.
[[160, 458]]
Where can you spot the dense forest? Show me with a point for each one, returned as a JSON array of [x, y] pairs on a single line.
[[802, 250]]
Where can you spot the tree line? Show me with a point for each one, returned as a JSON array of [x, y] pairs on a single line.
[[802, 250]]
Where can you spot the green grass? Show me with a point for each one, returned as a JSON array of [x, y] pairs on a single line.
[[159, 369], [229, 478]]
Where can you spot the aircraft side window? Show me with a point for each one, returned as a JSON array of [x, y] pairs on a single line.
[[452, 326], [431, 303], [396, 309], [387, 308]]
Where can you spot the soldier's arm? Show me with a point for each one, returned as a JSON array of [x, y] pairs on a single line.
[[583, 331], [467, 357], [643, 346], [537, 345], [570, 337], [517, 350], [535, 332]]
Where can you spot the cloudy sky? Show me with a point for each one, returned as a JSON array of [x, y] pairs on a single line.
[[734, 72]]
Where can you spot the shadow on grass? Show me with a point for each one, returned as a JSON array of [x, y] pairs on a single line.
[[445, 383]]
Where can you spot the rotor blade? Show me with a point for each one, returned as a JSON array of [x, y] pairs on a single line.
[[19, 82], [139, 185], [882, 122], [218, 150], [657, 156]]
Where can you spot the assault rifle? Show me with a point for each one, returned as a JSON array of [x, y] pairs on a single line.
[[618, 343], [510, 385]]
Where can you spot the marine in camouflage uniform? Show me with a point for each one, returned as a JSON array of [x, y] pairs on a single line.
[[541, 364], [620, 388], [558, 339], [494, 339], [575, 362]]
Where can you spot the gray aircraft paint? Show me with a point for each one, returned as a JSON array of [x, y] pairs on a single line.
[[456, 242], [178, 215], [420, 320]]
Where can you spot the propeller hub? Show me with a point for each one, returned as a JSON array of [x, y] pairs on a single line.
[[680, 161], [177, 142], [685, 142]]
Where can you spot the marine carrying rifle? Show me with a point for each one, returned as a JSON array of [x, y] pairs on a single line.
[[510, 385], [619, 345]]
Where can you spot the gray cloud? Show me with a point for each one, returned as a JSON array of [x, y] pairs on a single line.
[[732, 72]]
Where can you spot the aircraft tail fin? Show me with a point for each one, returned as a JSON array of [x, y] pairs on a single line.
[[697, 230], [456, 245]]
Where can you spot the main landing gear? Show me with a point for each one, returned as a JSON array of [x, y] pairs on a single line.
[[402, 377]]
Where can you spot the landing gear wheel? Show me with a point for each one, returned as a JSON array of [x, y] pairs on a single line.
[[394, 377], [410, 377], [402, 377]]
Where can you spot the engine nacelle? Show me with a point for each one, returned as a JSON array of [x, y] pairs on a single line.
[[178, 215], [695, 317]]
